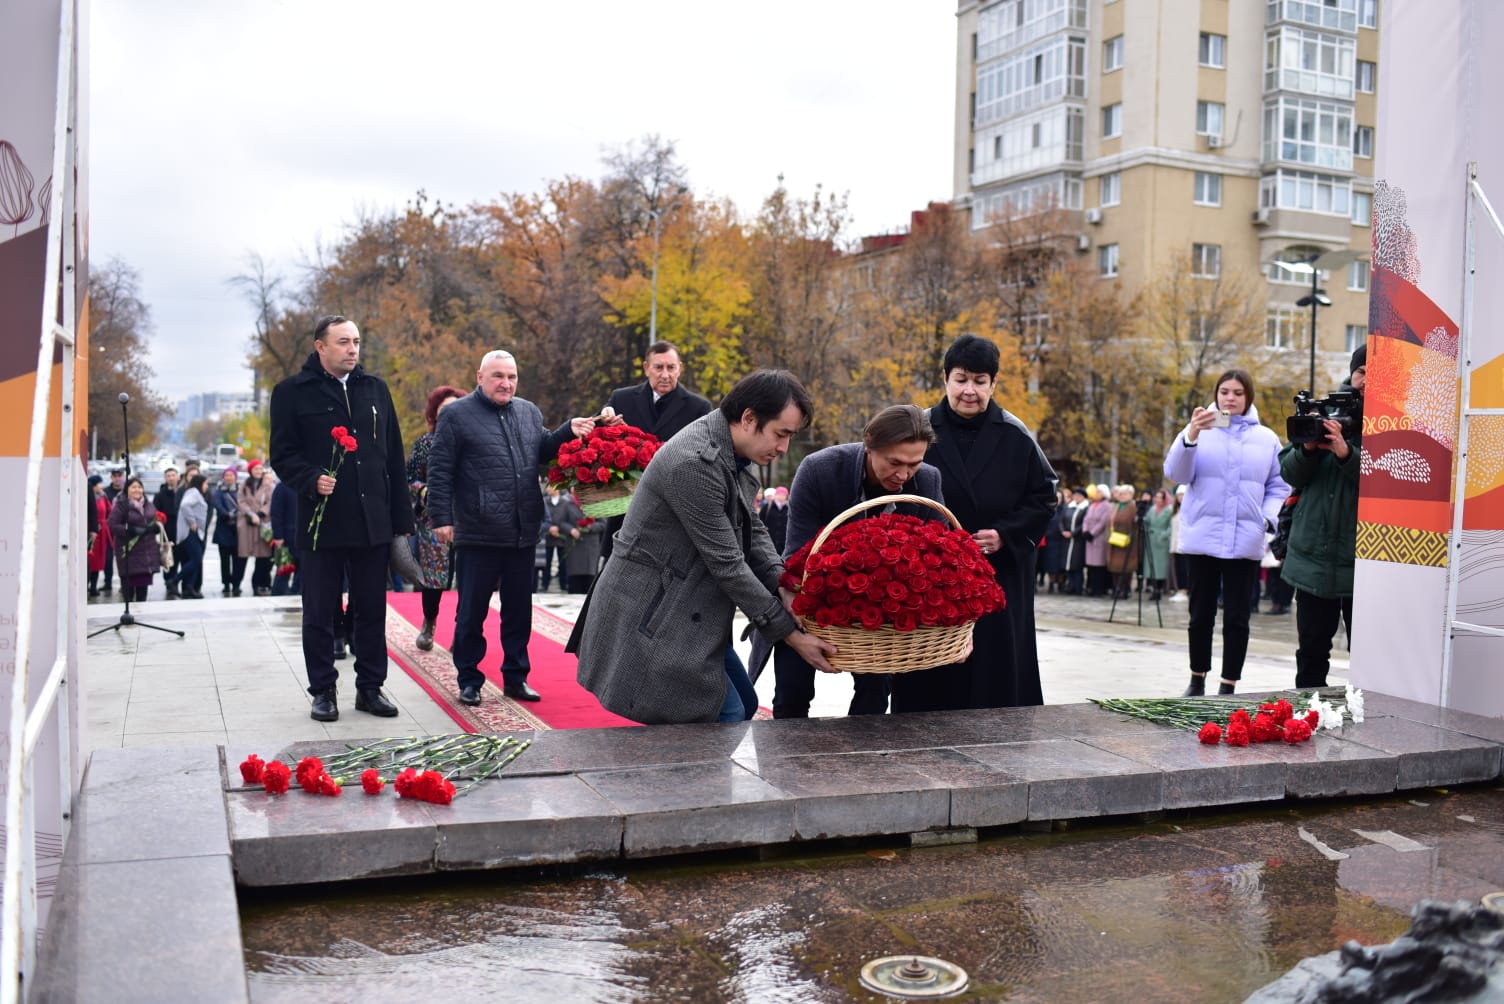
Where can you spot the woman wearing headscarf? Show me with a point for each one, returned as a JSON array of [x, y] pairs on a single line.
[[255, 501], [1157, 543], [998, 483], [134, 525], [193, 520], [433, 554], [1229, 463], [226, 501]]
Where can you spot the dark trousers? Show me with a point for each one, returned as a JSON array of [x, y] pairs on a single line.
[[1316, 620], [431, 599], [794, 687], [109, 569], [261, 573], [190, 563], [1233, 578], [323, 576], [1097, 580], [479, 572], [1280, 591], [1073, 578], [231, 567]]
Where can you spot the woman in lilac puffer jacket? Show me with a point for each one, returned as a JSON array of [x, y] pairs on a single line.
[[1230, 466]]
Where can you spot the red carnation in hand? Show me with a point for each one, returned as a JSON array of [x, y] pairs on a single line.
[[1210, 734], [161, 517], [339, 432], [276, 778], [252, 768], [372, 781], [348, 443]]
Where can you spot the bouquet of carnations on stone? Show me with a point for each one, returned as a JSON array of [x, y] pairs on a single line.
[[603, 468], [892, 592], [1219, 720], [422, 769]]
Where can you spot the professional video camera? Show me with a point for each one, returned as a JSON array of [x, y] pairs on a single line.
[[1342, 406]]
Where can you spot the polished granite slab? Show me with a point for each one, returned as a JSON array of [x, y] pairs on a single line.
[[156, 827]]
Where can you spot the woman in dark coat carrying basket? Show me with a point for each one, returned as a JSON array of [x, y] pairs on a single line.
[[888, 461], [1000, 486]]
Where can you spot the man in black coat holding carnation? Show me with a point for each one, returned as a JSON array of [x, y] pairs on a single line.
[[365, 503]]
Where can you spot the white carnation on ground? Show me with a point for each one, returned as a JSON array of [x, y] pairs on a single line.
[[1355, 703]]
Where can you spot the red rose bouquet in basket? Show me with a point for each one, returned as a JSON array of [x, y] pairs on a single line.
[[894, 593], [603, 468]]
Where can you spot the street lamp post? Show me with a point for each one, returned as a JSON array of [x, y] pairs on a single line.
[[656, 212], [1317, 298]]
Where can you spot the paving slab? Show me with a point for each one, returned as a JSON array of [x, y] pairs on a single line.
[[516, 821], [139, 805], [857, 794], [1428, 754], [1196, 774], [1069, 779]]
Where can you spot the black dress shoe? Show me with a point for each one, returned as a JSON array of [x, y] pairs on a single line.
[[470, 695], [521, 692], [324, 709], [373, 703]]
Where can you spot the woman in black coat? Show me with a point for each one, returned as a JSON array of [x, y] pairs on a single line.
[[226, 502], [1002, 489]]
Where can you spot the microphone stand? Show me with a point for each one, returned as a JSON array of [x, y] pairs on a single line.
[[127, 618]]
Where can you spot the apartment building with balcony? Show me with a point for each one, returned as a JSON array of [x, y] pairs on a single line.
[[1210, 136]]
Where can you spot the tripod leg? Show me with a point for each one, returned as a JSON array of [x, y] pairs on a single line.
[[164, 630], [112, 627]]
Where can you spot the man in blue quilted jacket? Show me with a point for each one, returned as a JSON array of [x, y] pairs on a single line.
[[483, 498]]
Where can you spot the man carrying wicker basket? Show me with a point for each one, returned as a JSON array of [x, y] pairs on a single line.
[[888, 461], [654, 637]]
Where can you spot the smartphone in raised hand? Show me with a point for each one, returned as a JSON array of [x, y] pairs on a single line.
[[1222, 420]]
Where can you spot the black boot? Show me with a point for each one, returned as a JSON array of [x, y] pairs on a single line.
[[1224, 688], [324, 707], [1197, 687], [424, 640]]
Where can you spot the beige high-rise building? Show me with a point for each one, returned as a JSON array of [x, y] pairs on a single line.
[[1213, 136]]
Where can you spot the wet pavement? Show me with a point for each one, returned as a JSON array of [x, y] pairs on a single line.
[[1192, 907]]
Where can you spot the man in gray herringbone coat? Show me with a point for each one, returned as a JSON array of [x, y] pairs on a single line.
[[654, 639]]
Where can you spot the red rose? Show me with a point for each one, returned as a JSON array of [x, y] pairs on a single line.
[[603, 474], [871, 617], [840, 614], [339, 432], [252, 769], [823, 617], [372, 781], [929, 616], [328, 786], [858, 582], [556, 475], [623, 457], [1210, 734], [1237, 732], [836, 579], [584, 475], [814, 585], [1297, 730], [587, 457], [644, 455], [905, 620], [897, 591], [805, 605], [276, 778]]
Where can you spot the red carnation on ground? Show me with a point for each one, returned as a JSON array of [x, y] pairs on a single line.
[[372, 781], [309, 770], [1264, 728], [1237, 732], [1210, 734], [405, 781], [1297, 730], [252, 769], [328, 786], [276, 778]]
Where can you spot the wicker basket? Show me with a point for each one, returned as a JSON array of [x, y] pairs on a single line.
[[888, 650], [601, 502]]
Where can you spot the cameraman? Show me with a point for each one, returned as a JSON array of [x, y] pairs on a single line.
[[1323, 532]]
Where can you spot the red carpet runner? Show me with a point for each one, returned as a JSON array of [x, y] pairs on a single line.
[[565, 704]]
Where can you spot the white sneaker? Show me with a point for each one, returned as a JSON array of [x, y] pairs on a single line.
[[1178, 598]]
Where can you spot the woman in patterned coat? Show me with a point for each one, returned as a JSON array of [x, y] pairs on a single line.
[[433, 554]]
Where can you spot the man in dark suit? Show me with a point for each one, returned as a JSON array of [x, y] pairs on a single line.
[[658, 405]]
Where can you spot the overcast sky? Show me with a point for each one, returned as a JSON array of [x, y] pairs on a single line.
[[217, 128]]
